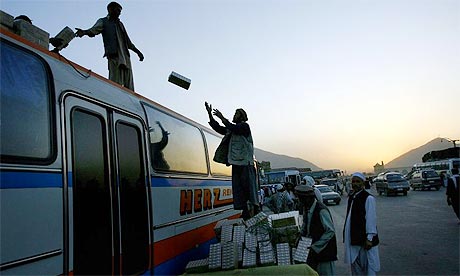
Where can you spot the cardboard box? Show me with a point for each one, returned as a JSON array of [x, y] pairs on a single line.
[[283, 254], [65, 35], [303, 248], [288, 234], [220, 223], [31, 33], [215, 257], [179, 80], [6, 20], [197, 266]]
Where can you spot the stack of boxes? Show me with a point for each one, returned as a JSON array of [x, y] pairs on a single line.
[[285, 227], [250, 250], [245, 244], [6, 20], [267, 254], [215, 257], [283, 254], [25, 29], [302, 250]]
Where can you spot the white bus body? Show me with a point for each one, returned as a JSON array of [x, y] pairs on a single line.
[[89, 184]]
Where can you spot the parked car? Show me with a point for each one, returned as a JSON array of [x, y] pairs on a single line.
[[329, 196], [391, 183], [425, 179]]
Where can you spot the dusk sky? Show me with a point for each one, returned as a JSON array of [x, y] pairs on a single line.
[[341, 83]]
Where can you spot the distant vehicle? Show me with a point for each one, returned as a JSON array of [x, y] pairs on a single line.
[[317, 175], [334, 183], [438, 166], [329, 196], [391, 183], [426, 179], [280, 177]]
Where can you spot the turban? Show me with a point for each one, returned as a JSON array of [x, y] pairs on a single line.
[[303, 190], [244, 116], [359, 175]]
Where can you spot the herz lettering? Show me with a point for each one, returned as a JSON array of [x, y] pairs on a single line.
[[198, 200]]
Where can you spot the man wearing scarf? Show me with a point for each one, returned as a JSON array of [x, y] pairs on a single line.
[[116, 45], [237, 149], [360, 231], [319, 226]]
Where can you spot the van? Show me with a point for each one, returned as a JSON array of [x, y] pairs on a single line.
[[425, 179]]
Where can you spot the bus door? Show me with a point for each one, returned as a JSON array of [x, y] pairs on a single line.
[[107, 191]]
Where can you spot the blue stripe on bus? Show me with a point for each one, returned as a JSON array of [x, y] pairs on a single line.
[[18, 180], [69, 180], [176, 266], [179, 182]]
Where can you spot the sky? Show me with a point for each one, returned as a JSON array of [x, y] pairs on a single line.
[[340, 83]]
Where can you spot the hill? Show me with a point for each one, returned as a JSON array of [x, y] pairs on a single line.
[[415, 156], [283, 161]]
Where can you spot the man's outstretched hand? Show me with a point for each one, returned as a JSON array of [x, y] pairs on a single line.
[[208, 107]]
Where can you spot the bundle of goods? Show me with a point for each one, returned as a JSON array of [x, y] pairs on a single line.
[[260, 241]]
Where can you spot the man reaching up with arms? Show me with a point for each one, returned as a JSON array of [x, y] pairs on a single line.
[[237, 149]]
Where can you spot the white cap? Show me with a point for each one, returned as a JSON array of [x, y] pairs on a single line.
[[279, 187], [359, 175], [309, 181]]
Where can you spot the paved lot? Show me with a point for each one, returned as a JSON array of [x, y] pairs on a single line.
[[419, 234]]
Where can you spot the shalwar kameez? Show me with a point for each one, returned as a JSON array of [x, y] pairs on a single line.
[[362, 261]]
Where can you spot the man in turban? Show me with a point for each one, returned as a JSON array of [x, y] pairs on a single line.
[[318, 225], [360, 230], [237, 149]]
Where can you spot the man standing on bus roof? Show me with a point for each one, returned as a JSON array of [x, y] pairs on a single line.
[[237, 149], [116, 45]]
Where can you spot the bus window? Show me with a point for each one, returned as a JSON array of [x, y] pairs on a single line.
[[26, 111], [133, 200], [175, 146], [216, 168]]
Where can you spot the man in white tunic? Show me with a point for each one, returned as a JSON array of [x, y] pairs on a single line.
[[360, 231]]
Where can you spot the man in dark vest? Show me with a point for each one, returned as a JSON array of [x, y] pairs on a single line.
[[116, 45], [318, 226], [452, 191], [237, 149], [360, 231]]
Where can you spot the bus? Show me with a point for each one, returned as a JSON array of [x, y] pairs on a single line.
[[280, 177], [97, 179], [318, 175], [439, 166]]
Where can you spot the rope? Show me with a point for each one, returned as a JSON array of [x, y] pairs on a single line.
[[76, 70]]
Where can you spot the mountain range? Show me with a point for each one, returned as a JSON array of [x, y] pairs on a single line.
[[283, 161], [405, 160], [415, 156]]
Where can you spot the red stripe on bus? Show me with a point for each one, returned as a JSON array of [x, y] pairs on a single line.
[[167, 249]]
